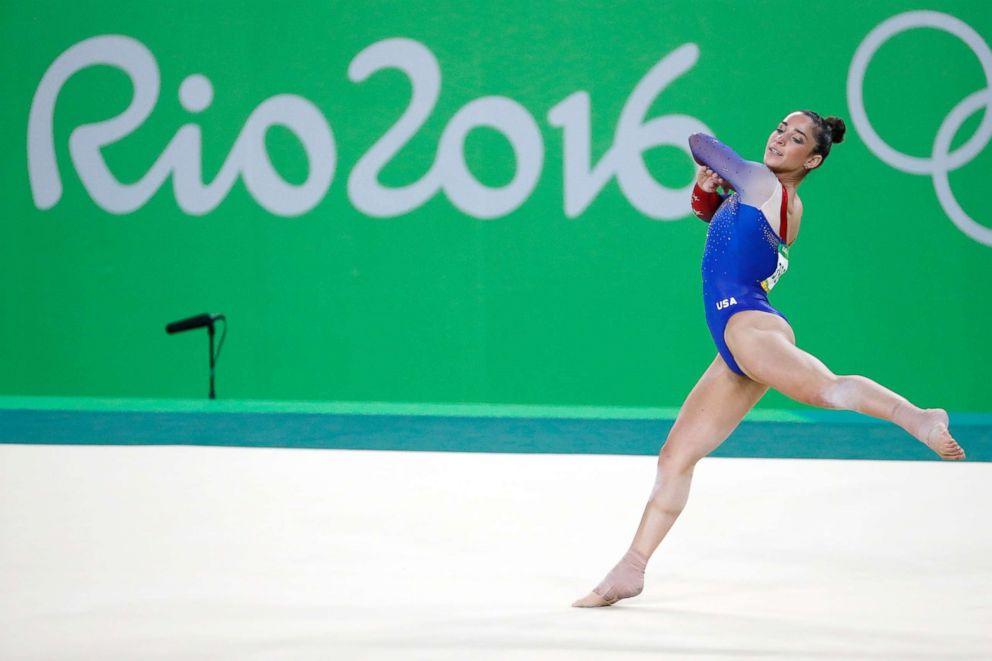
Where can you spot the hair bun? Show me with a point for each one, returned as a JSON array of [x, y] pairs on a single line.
[[837, 128]]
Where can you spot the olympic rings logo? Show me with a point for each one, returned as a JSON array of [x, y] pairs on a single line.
[[942, 160]]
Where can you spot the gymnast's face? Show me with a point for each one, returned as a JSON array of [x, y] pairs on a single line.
[[790, 146]]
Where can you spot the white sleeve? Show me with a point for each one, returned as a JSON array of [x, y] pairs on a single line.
[[754, 182]]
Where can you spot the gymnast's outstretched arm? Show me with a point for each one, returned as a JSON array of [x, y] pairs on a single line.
[[754, 182]]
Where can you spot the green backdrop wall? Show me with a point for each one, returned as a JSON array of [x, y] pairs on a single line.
[[521, 235]]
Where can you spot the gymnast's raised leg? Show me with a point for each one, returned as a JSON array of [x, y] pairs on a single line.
[[763, 345], [765, 349]]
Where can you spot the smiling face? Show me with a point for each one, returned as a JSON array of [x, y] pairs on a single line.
[[790, 146]]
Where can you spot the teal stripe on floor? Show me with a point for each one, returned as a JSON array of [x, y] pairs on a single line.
[[457, 428], [365, 408]]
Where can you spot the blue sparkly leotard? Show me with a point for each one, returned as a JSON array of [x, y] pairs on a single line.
[[743, 257]]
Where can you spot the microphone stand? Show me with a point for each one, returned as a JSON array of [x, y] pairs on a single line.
[[210, 332], [199, 321]]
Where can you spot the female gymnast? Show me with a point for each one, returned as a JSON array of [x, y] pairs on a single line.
[[746, 253]]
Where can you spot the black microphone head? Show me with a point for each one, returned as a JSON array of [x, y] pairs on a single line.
[[191, 323]]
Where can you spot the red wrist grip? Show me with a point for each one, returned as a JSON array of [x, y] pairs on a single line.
[[705, 204]]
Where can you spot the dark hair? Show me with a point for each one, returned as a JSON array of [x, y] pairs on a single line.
[[829, 131]]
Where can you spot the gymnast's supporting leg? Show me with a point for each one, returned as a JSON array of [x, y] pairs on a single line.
[[764, 346], [710, 413]]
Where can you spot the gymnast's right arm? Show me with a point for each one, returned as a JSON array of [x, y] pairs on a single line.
[[706, 202], [753, 181]]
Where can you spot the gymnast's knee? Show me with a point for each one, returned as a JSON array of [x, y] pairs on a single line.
[[670, 491], [835, 392], [673, 461]]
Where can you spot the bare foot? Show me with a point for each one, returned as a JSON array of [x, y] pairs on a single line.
[[592, 600], [625, 580], [933, 431]]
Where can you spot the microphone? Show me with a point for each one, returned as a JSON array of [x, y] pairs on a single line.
[[191, 323]]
